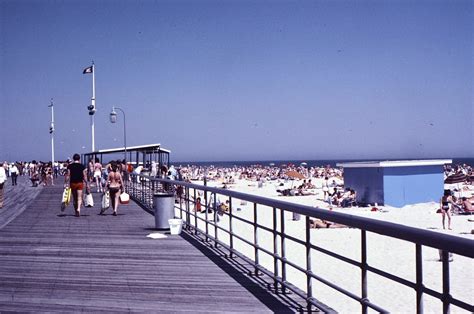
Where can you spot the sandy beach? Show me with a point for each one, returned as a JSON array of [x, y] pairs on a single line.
[[394, 256]]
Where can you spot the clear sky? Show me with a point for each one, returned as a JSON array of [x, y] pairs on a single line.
[[240, 80]]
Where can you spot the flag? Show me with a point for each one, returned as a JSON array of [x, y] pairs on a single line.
[[87, 70]]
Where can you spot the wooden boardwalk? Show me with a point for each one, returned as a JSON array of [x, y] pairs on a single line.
[[17, 198], [52, 261]]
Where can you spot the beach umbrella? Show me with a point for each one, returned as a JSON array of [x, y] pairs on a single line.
[[303, 164], [294, 175], [272, 164], [455, 178]]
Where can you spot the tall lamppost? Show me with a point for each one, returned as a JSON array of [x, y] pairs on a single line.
[[51, 131], [113, 119]]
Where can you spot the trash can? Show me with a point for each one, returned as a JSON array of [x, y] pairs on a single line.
[[163, 204]]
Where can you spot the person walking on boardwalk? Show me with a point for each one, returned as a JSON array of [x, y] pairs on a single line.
[[3, 179], [76, 176], [98, 174], [14, 173], [115, 186]]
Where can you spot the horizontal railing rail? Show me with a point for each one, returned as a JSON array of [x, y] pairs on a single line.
[[143, 187]]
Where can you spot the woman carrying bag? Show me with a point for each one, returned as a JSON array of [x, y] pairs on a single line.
[[115, 186]]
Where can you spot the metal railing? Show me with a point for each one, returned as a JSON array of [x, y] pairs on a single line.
[[276, 247]]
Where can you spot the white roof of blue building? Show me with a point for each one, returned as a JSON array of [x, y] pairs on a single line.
[[395, 163]]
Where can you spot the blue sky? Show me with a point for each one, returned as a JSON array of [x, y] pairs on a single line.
[[240, 80]]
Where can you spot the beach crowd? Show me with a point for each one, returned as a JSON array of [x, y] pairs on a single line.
[[322, 180]]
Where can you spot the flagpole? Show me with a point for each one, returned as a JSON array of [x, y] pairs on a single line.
[[93, 106]]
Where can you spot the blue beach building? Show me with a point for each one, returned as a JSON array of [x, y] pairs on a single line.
[[396, 183]]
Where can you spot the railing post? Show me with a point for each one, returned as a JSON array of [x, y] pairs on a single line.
[[309, 279], [231, 229], [255, 237], [187, 208], [206, 209], [446, 295], [195, 215], [216, 218], [152, 191], [363, 269], [275, 250], [180, 204], [142, 188], [419, 279], [283, 250]]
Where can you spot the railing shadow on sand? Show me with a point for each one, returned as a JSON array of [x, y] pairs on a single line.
[[239, 223]]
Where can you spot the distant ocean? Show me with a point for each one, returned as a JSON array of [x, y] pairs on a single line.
[[310, 163]]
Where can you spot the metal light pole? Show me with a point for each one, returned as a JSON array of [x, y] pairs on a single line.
[[93, 106], [51, 131], [113, 119]]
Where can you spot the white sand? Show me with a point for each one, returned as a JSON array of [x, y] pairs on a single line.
[[391, 255]]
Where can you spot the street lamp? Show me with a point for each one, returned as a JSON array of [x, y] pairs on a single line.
[[51, 131], [113, 119]]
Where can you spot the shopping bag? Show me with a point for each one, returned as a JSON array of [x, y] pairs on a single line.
[[124, 198], [105, 200], [89, 200], [66, 198]]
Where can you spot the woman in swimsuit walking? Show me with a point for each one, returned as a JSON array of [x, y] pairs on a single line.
[[115, 185], [445, 203]]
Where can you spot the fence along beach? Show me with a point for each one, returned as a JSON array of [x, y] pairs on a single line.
[[391, 255]]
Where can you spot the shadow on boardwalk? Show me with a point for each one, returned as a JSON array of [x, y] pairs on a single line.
[[51, 261]]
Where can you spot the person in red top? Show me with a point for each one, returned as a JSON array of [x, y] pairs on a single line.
[[76, 176]]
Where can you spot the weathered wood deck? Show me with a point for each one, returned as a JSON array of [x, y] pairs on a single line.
[[51, 261], [17, 198]]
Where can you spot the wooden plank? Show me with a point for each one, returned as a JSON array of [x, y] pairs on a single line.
[[53, 261]]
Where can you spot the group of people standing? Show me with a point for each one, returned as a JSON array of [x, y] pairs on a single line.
[[42, 173], [107, 179], [7, 170]]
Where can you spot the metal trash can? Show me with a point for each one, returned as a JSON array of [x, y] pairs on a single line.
[[163, 204]]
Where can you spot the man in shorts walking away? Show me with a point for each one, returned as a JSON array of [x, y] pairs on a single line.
[[76, 177]]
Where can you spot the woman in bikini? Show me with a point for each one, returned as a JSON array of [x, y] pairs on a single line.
[[115, 185], [445, 203]]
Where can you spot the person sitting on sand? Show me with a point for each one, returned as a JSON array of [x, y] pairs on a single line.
[[336, 198], [323, 224], [467, 206], [349, 198]]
